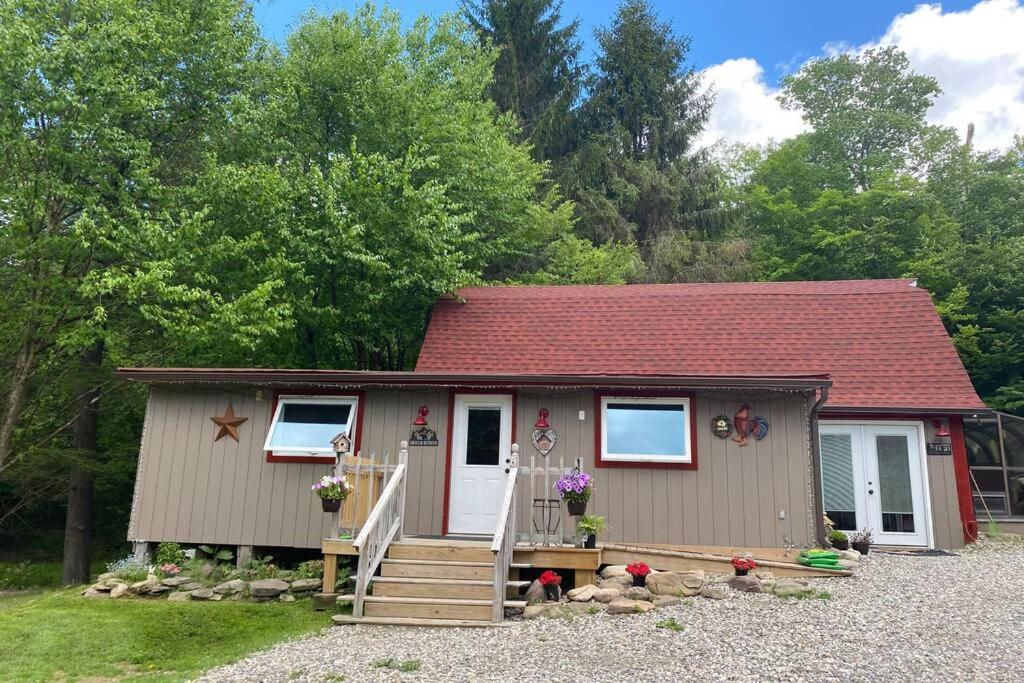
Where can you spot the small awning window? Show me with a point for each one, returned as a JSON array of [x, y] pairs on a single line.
[[305, 425], [652, 430]]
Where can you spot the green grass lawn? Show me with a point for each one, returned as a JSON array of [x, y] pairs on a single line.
[[17, 575], [58, 635]]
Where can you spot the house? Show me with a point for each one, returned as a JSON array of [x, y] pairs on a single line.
[[714, 416]]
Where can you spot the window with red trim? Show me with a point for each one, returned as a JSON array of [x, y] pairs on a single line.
[[305, 425], [646, 430]]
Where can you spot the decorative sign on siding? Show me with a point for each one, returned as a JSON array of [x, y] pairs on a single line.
[[747, 426], [543, 437], [422, 435], [721, 427], [939, 448]]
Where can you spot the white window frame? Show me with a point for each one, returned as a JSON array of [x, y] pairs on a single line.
[[682, 459], [326, 452]]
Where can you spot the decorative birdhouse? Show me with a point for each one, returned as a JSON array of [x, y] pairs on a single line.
[[341, 443]]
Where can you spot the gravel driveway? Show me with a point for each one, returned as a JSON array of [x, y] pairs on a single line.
[[901, 618]]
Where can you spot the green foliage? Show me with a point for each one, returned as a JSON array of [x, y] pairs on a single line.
[[406, 666], [124, 638], [310, 569], [129, 569], [169, 553], [836, 535], [537, 74], [218, 554], [671, 624], [590, 525], [260, 568]]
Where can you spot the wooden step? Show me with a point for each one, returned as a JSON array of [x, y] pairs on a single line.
[[441, 552], [432, 588], [426, 569], [343, 619], [433, 608]]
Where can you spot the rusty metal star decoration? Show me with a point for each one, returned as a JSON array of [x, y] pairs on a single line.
[[228, 423]]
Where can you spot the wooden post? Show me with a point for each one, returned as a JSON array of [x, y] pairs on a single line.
[[243, 556], [330, 573], [403, 460]]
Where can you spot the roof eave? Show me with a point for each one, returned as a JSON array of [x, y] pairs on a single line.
[[401, 379]]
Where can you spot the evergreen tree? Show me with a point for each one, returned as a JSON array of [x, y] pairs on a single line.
[[636, 177], [537, 75]]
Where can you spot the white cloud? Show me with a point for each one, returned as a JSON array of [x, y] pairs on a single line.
[[977, 55], [746, 109]]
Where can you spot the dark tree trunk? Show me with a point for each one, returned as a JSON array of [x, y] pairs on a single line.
[[78, 525]]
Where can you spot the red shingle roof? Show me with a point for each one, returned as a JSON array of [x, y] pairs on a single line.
[[881, 340]]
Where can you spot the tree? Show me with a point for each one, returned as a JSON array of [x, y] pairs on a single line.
[[636, 177], [867, 112], [98, 152], [537, 74]]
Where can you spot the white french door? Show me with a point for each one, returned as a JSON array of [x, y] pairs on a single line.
[[873, 478], [481, 443]]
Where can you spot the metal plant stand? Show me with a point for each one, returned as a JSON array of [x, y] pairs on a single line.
[[550, 522]]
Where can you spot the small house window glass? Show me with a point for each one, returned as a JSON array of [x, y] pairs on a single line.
[[645, 429], [305, 425]]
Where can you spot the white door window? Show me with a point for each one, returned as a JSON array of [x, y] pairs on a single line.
[[481, 443], [872, 477]]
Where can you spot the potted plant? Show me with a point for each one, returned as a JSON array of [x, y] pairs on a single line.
[[588, 528], [333, 490], [575, 488], [639, 572], [551, 582], [169, 569], [839, 540], [861, 541], [743, 565]]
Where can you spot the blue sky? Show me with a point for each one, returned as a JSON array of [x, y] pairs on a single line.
[[974, 48], [778, 35]]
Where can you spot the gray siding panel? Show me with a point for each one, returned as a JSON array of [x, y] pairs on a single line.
[[194, 490]]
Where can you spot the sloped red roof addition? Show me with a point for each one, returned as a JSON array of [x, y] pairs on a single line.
[[881, 340]]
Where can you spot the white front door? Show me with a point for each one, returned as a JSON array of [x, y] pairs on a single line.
[[481, 443], [873, 478]]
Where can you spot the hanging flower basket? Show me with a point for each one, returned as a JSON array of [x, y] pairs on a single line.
[[575, 488], [333, 490]]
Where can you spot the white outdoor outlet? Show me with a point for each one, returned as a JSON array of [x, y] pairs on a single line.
[[583, 415], [782, 514]]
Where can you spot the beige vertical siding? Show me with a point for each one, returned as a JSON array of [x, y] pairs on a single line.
[[732, 498], [194, 490]]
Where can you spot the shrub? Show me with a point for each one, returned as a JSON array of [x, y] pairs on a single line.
[[310, 569], [169, 553], [260, 568], [836, 535], [129, 569]]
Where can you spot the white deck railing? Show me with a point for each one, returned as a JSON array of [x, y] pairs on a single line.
[[382, 526], [504, 542]]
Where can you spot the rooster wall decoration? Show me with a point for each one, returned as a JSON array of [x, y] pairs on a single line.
[[747, 426]]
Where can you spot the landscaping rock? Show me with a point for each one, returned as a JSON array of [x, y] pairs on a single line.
[[286, 597], [306, 585], [230, 587], [119, 590], [582, 607], [666, 600], [764, 575], [851, 555], [673, 583], [176, 580], [583, 593], [613, 570], [190, 586], [551, 610], [629, 606], [715, 591], [93, 593], [101, 587], [746, 584], [158, 589], [619, 583], [848, 564], [202, 593], [206, 569], [179, 596], [113, 583], [639, 593], [142, 586], [267, 588], [607, 594]]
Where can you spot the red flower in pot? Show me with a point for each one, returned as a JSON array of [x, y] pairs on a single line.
[[743, 565], [639, 572], [551, 582]]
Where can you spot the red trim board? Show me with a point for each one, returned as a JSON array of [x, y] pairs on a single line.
[[963, 479], [360, 397], [598, 462]]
